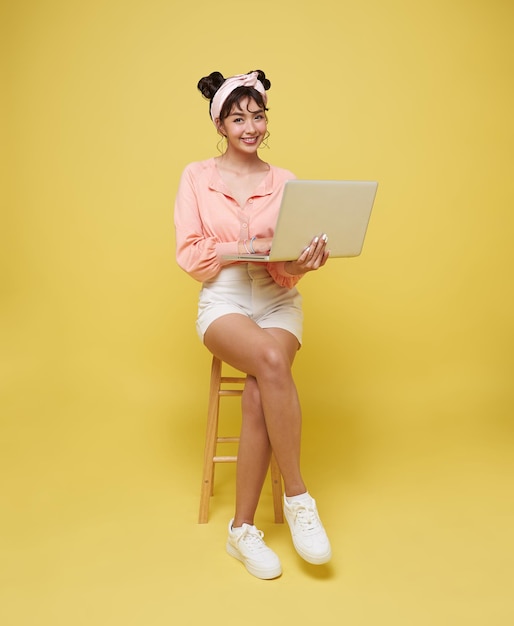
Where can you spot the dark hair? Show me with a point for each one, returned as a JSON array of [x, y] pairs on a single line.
[[209, 85]]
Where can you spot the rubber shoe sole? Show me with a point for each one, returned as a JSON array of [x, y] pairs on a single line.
[[258, 572]]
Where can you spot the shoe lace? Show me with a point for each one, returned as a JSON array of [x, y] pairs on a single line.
[[306, 518], [253, 539]]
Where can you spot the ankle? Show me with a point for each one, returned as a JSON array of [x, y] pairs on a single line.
[[304, 497], [239, 521], [295, 490]]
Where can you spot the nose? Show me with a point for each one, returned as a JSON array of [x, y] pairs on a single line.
[[250, 128]]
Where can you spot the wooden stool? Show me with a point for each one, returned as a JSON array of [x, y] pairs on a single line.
[[217, 391]]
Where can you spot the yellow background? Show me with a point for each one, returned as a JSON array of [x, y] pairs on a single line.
[[407, 368]]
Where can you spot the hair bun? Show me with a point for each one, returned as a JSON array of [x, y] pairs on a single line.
[[209, 85], [262, 77]]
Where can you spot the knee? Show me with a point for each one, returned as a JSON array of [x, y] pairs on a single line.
[[274, 363]]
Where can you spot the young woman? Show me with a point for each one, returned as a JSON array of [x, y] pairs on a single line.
[[250, 314]]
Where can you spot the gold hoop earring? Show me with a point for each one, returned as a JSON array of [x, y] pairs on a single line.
[[264, 142], [220, 145]]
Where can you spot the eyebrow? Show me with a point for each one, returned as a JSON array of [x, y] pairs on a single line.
[[241, 112]]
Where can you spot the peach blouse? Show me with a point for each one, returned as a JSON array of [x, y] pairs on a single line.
[[209, 223]]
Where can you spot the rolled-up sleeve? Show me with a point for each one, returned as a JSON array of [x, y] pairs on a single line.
[[278, 272]]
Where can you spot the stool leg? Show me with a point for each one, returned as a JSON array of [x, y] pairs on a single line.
[[210, 441], [276, 485]]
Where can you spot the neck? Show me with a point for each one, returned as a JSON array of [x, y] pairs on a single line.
[[241, 162]]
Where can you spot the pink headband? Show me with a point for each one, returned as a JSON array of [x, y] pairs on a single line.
[[241, 80]]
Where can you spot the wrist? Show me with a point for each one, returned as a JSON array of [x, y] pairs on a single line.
[[245, 246], [290, 267]]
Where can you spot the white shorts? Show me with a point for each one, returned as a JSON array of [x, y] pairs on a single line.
[[248, 289]]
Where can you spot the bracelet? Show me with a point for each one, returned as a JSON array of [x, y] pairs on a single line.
[[252, 251], [244, 244]]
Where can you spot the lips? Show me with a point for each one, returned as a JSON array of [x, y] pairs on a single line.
[[249, 140]]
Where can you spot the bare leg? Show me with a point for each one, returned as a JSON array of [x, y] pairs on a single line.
[[271, 404], [253, 454]]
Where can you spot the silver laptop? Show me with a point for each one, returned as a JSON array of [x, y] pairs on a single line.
[[339, 208]]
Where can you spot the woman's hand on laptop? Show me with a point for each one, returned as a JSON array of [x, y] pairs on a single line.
[[312, 258], [261, 245]]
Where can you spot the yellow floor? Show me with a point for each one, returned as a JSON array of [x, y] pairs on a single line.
[[100, 497]]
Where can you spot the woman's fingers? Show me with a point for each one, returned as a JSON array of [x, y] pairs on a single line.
[[315, 254], [317, 247]]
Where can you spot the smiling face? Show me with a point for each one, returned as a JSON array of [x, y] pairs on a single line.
[[245, 126]]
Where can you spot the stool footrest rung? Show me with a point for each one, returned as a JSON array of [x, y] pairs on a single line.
[[232, 379], [224, 459]]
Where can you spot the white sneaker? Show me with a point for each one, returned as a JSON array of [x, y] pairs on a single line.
[[309, 537], [247, 545]]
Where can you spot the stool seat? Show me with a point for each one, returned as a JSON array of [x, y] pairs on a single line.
[[218, 389]]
